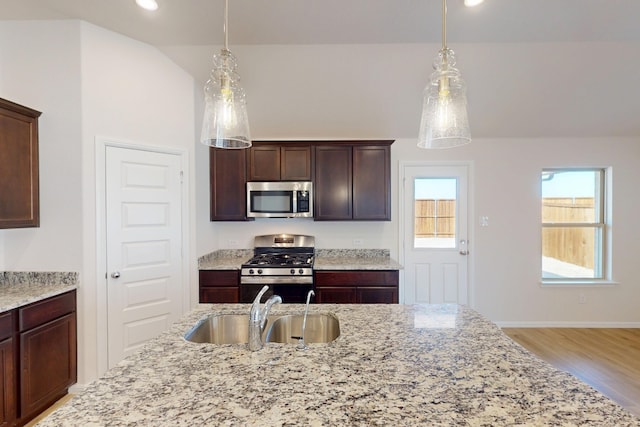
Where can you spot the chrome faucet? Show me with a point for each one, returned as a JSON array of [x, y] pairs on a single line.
[[301, 342], [258, 318]]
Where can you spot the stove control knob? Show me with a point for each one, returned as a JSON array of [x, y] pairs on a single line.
[[251, 271], [259, 271], [301, 271], [292, 271]]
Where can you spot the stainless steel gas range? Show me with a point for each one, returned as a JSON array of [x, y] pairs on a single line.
[[282, 261]]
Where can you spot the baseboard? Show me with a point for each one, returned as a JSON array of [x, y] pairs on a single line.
[[508, 324], [77, 388]]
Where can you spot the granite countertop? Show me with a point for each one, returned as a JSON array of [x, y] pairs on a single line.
[[224, 259], [354, 259], [325, 259], [436, 365], [21, 288]]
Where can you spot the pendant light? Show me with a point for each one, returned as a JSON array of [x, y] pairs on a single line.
[[225, 123], [444, 121]]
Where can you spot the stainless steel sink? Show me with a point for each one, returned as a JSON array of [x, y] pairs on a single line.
[[234, 329], [221, 329], [321, 328]]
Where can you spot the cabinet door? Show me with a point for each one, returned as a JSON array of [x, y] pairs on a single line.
[[19, 182], [336, 295], [219, 295], [264, 163], [332, 185], [47, 363], [8, 391], [377, 295], [228, 177], [219, 286], [295, 163], [371, 183]]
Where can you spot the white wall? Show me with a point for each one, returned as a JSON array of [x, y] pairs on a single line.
[[88, 82], [130, 92], [505, 282], [40, 68]]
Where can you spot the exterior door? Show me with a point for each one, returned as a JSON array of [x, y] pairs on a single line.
[[144, 245], [435, 244]]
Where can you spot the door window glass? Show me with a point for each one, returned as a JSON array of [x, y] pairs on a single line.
[[435, 212]]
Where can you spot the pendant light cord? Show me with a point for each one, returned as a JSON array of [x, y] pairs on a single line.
[[226, 24], [444, 25]]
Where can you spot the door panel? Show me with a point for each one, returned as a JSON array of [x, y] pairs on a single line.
[[435, 234], [144, 238]]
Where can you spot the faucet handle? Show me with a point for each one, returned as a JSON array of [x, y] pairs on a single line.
[[255, 307]]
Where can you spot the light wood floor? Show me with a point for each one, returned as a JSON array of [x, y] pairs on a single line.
[[606, 359], [49, 410]]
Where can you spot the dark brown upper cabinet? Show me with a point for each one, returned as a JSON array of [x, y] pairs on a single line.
[[353, 181], [227, 179], [269, 161], [19, 186]]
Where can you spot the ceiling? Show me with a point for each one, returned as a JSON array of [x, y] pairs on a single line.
[[199, 22], [189, 31]]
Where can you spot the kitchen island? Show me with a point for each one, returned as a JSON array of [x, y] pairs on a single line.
[[436, 365]]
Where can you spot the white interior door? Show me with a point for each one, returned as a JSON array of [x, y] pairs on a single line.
[[144, 239], [436, 247]]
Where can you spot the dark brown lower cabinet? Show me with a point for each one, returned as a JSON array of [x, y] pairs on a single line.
[[356, 286], [219, 286], [8, 390], [38, 362], [48, 364]]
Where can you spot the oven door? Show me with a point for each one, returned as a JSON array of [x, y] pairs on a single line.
[[291, 293]]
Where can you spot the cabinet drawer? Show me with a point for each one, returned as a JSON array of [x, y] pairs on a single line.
[[6, 325], [215, 278], [44, 311], [219, 295], [357, 278]]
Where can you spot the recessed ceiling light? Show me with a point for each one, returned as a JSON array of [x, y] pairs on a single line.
[[147, 4], [471, 3]]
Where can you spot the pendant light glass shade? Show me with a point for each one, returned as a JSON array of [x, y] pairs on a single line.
[[226, 122], [444, 122]]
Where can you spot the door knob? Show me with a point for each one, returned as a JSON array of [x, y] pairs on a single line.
[[115, 274], [463, 247]]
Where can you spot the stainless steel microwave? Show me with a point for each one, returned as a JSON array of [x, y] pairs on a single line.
[[282, 199]]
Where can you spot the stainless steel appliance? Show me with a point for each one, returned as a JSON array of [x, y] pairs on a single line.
[[282, 261], [283, 199]]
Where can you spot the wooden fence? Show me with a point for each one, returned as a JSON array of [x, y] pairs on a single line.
[[573, 245], [435, 218]]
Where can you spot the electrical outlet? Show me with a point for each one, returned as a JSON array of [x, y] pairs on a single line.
[[233, 244], [582, 299], [484, 221], [358, 242]]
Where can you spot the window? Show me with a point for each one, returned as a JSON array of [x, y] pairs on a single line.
[[573, 224], [435, 212]]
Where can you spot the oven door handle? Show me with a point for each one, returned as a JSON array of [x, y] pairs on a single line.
[[277, 280]]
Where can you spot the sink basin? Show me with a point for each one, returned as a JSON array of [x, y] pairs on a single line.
[[234, 329], [321, 328], [221, 329]]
